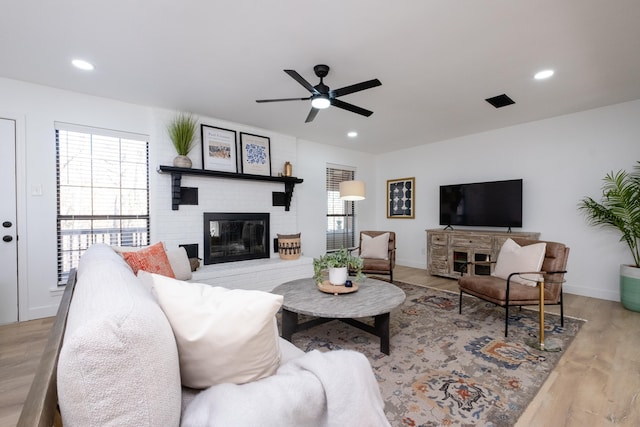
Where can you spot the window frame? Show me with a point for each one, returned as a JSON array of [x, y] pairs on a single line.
[[339, 210], [81, 222]]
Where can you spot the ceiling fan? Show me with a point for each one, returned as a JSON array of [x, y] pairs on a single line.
[[322, 96]]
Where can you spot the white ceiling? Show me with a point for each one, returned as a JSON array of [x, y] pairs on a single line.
[[437, 60]]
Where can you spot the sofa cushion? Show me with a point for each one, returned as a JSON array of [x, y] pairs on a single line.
[[375, 247], [180, 264], [152, 259], [223, 335], [119, 362], [514, 258]]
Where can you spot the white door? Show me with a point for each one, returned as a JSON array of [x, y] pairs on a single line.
[[8, 233]]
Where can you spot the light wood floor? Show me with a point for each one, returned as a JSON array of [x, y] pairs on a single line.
[[596, 383], [21, 346]]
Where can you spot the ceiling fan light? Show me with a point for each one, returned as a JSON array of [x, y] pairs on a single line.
[[320, 103]]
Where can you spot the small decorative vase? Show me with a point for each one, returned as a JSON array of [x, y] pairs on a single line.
[[288, 169], [338, 276], [182, 162]]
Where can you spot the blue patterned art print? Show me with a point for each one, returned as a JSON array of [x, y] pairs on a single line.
[[256, 156]]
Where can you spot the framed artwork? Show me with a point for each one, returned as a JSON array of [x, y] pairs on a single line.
[[219, 150], [256, 154], [400, 198]]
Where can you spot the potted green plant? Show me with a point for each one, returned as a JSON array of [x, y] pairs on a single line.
[[338, 263], [620, 209], [182, 131]]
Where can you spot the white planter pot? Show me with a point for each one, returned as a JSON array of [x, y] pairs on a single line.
[[182, 162], [338, 276]]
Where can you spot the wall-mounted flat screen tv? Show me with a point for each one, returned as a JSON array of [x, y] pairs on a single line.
[[488, 204]]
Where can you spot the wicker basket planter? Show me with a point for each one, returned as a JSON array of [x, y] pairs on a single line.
[[289, 246]]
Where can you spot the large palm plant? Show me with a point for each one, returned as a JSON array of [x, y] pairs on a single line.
[[619, 207]]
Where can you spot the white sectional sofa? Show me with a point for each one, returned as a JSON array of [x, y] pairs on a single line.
[[119, 365]]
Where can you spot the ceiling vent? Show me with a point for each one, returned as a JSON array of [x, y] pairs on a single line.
[[500, 101]]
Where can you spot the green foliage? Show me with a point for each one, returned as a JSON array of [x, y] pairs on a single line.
[[619, 207], [339, 258], [182, 131]]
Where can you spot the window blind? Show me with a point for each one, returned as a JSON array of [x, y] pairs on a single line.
[[102, 191], [340, 213]]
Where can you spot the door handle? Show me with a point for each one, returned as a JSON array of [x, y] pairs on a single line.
[[7, 238], [7, 224]]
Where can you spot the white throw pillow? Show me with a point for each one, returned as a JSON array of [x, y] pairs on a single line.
[[375, 247], [223, 335], [515, 258], [180, 264]]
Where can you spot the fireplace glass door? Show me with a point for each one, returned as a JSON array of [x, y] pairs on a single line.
[[235, 237]]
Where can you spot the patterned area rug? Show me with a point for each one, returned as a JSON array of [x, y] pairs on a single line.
[[450, 369]]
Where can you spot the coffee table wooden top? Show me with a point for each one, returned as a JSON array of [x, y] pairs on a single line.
[[373, 297]]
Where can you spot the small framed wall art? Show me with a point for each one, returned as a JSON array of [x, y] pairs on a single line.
[[256, 154], [400, 198], [219, 152]]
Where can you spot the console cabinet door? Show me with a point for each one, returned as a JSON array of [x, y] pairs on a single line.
[[438, 254]]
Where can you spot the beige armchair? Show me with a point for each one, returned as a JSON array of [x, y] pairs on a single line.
[[506, 293], [378, 252]]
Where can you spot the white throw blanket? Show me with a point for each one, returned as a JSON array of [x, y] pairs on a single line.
[[335, 388]]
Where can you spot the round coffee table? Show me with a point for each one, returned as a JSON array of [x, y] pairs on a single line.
[[374, 298]]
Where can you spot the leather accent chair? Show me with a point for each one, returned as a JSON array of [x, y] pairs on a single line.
[[379, 265], [507, 293]]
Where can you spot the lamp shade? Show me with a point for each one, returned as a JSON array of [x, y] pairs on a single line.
[[352, 190]]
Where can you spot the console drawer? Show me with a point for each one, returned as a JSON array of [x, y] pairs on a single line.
[[476, 242], [439, 239]]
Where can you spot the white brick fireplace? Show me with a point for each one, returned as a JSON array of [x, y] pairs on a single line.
[[185, 225]]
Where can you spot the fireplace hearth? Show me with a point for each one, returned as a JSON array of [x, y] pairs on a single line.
[[230, 237]]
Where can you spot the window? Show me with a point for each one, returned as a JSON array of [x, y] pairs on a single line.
[[103, 191], [340, 214]]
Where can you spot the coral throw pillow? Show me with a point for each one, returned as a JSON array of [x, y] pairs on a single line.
[[152, 259]]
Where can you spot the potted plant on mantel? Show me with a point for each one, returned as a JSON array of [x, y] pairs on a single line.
[[182, 131], [338, 263], [620, 209]]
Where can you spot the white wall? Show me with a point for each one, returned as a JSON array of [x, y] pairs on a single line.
[[312, 161], [37, 108], [560, 160]]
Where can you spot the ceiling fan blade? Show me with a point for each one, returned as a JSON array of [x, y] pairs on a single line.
[[283, 99], [312, 115], [350, 107], [297, 77], [357, 87]]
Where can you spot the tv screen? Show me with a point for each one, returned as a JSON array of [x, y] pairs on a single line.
[[489, 204]]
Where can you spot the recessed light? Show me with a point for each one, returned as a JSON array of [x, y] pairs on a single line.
[[352, 134], [544, 74], [83, 65]]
